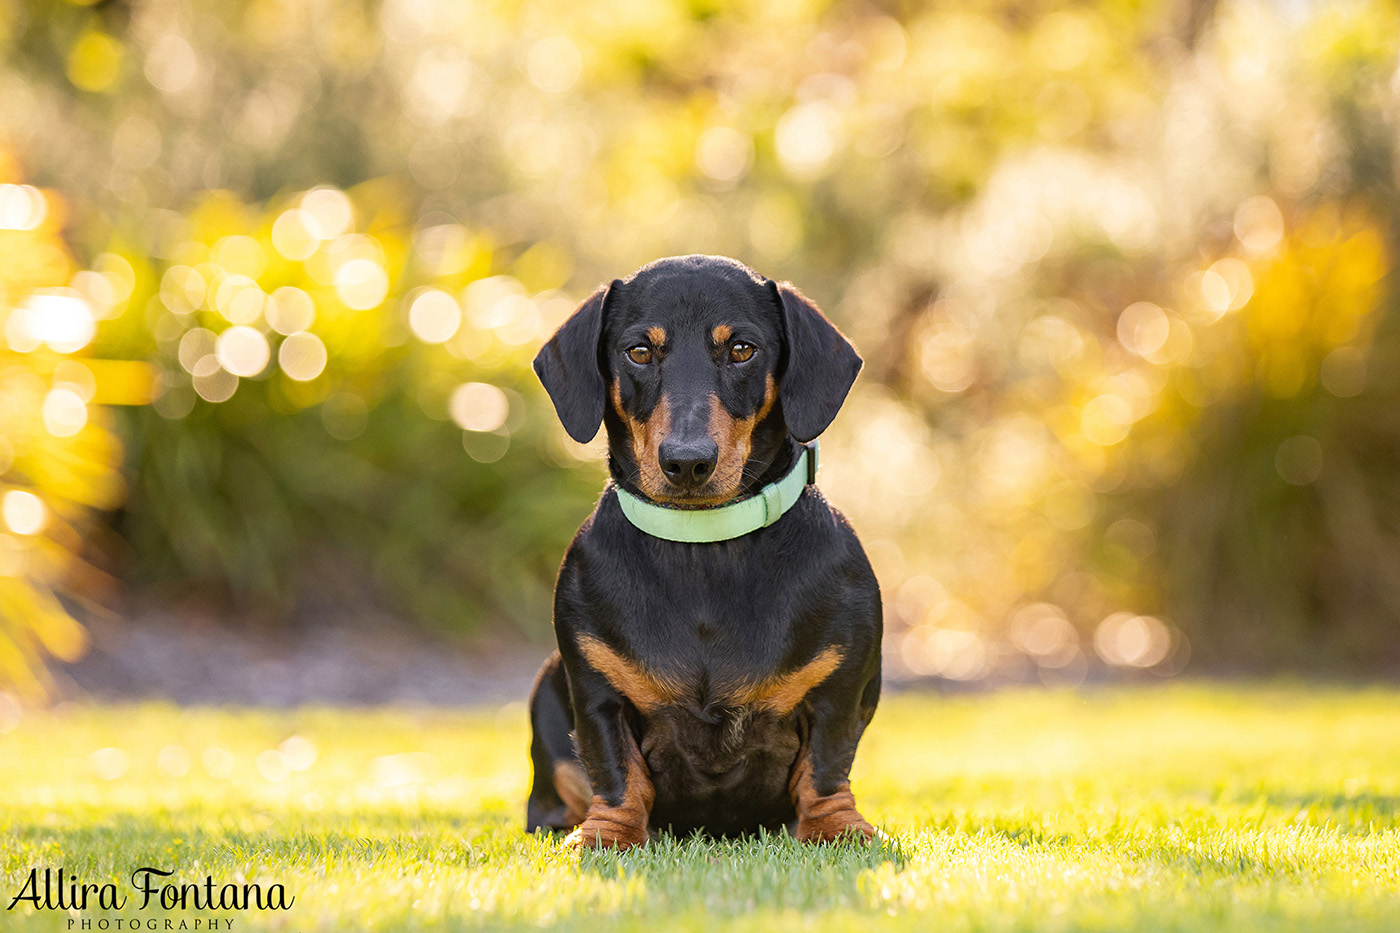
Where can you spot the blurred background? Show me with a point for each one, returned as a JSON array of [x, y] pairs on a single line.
[[271, 277]]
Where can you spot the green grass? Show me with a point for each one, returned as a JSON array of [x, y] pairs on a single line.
[[1173, 808]]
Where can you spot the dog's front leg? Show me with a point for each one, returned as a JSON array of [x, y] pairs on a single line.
[[820, 783], [622, 789]]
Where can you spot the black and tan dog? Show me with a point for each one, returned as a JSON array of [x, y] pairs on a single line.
[[721, 685]]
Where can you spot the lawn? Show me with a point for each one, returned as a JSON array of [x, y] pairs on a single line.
[[1177, 807]]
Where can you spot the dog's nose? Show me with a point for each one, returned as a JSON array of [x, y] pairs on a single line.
[[688, 463]]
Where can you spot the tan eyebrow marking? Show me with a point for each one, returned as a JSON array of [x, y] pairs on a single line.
[[722, 333], [646, 690], [657, 335], [781, 692]]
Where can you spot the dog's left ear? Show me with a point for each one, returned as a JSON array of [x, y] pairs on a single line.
[[568, 367], [821, 364]]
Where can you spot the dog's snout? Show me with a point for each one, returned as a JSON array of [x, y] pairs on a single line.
[[688, 463]]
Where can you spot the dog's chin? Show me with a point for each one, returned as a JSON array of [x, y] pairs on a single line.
[[698, 500], [703, 497]]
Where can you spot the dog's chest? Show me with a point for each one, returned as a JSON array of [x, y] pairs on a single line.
[[729, 750], [710, 649], [718, 633], [725, 722], [714, 671]]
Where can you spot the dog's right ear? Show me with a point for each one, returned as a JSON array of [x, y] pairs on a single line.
[[568, 367]]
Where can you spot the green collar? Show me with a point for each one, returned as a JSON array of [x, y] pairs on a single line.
[[698, 526]]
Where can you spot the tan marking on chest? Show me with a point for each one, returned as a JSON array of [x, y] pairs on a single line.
[[781, 692], [647, 690]]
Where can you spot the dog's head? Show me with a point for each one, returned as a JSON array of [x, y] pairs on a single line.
[[700, 368]]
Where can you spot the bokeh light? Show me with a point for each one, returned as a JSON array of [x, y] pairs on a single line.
[[806, 138], [326, 213], [433, 316], [22, 207], [1129, 640], [56, 317], [723, 153], [361, 284], [24, 513], [64, 412], [290, 310], [212, 380], [478, 406], [302, 356], [293, 236], [109, 763], [242, 350], [173, 761]]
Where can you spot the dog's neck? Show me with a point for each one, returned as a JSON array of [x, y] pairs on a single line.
[[763, 467]]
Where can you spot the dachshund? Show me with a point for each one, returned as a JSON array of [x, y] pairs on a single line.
[[718, 622]]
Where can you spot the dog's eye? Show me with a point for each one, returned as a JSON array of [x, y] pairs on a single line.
[[741, 352], [640, 355]]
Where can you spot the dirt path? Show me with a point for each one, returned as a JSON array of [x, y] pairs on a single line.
[[344, 660]]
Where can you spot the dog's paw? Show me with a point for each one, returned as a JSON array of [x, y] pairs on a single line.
[[605, 833], [845, 825], [826, 817]]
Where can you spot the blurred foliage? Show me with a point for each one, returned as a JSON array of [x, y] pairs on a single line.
[[353, 444], [58, 456], [1120, 272]]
